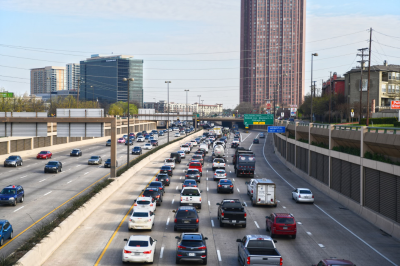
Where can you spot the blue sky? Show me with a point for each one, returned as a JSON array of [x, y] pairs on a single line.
[[167, 34]]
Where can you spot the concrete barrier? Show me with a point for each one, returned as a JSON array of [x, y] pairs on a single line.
[[42, 251]]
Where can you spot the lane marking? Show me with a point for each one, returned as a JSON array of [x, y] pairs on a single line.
[[219, 255], [86, 173], [19, 208], [245, 204], [208, 203], [168, 221], [212, 222], [180, 177], [47, 193], [309, 233], [256, 224], [284, 207], [233, 179], [69, 182], [42, 180], [23, 176], [299, 223], [176, 187], [207, 178], [238, 189], [278, 200], [161, 252], [321, 246], [172, 202]]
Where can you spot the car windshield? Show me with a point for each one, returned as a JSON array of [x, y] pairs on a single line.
[[147, 144], [12, 158], [8, 191], [219, 161], [75, 150], [305, 192], [232, 205], [155, 184], [138, 243], [195, 164], [180, 151], [109, 140], [190, 192], [220, 172], [52, 163], [140, 214], [197, 157], [192, 172], [165, 168], [43, 152], [284, 220], [108, 161], [191, 243], [94, 157], [225, 182], [169, 160], [136, 148], [186, 214]]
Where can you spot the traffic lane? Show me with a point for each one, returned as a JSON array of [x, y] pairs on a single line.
[[329, 229]]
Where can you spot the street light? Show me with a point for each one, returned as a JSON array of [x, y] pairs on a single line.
[[48, 78], [127, 146], [275, 95], [168, 82], [187, 112], [312, 59]]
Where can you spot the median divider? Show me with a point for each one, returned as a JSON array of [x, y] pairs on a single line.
[[43, 250]]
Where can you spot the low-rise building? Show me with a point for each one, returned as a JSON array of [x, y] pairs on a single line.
[[335, 84]]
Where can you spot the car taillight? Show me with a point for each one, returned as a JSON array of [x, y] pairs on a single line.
[[176, 220], [156, 179], [127, 251], [259, 199], [167, 179], [181, 247], [135, 204], [184, 186], [130, 219], [200, 199], [186, 176], [281, 262], [157, 196], [197, 221], [147, 252], [160, 187], [231, 185], [299, 196], [225, 174], [194, 186], [202, 247], [245, 215], [219, 185], [312, 196], [151, 205], [222, 214], [215, 174], [272, 200], [251, 191], [203, 256], [181, 198], [248, 260]]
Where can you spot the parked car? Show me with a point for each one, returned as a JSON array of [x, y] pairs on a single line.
[[303, 195], [13, 160], [53, 166], [6, 231], [139, 248], [225, 185], [147, 146], [334, 262], [258, 250], [164, 178], [281, 224], [137, 150], [95, 160], [44, 155], [155, 193], [219, 174], [186, 218], [76, 152], [195, 243], [107, 163], [231, 211], [141, 220], [108, 142], [12, 194]]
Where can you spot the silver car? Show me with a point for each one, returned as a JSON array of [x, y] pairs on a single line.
[[303, 195], [95, 160], [219, 174]]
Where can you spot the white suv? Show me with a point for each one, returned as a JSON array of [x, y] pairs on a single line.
[[170, 162], [218, 163], [145, 203], [143, 219], [194, 142], [191, 196], [185, 148]]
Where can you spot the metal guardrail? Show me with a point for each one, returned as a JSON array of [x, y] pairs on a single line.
[[384, 129], [304, 124], [321, 125], [344, 127]]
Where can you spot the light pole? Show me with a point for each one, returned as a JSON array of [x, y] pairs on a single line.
[[277, 85], [199, 102], [92, 93], [312, 59], [49, 79], [202, 108], [168, 82], [77, 96], [127, 146], [187, 112]]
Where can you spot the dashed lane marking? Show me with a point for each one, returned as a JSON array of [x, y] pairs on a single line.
[[309, 233], [207, 188], [168, 221], [208, 203], [219, 255], [176, 187], [23, 176], [47, 193], [284, 207], [212, 223], [86, 173], [321, 246], [161, 252], [19, 208], [173, 200], [299, 223], [42, 180], [256, 224], [238, 189], [69, 182]]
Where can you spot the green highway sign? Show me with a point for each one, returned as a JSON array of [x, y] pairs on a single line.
[[6, 94], [258, 119]]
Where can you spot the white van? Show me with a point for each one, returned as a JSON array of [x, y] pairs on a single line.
[[262, 192], [204, 146]]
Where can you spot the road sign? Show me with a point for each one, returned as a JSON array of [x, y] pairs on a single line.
[[275, 129], [282, 114], [258, 119], [395, 105], [352, 114], [6, 94]]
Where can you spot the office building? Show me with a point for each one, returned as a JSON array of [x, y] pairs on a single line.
[[102, 79], [272, 47], [47, 79], [72, 75]]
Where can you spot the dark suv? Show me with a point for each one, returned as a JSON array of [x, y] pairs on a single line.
[[12, 194], [193, 174], [157, 184], [137, 150], [186, 218], [107, 163], [53, 166], [163, 178], [166, 169], [155, 193], [191, 247]]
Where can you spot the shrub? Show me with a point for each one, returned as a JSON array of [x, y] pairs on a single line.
[[396, 124], [379, 121], [348, 150], [320, 144]]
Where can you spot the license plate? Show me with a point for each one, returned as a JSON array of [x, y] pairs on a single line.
[[225, 186], [285, 227], [137, 253], [186, 222], [191, 254], [190, 203], [233, 221]]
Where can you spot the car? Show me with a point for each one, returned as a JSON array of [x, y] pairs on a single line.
[[182, 153], [137, 150], [151, 134], [140, 139], [107, 163], [234, 145], [169, 129], [155, 193], [144, 132], [191, 196], [164, 178], [198, 140], [151, 138], [256, 141], [131, 134], [182, 133], [261, 136], [194, 142], [218, 163], [129, 142], [141, 220], [147, 137], [176, 156], [166, 169], [236, 140], [185, 148], [170, 162], [303, 195], [225, 185], [281, 224], [177, 135], [176, 129], [76, 152], [95, 160], [196, 165], [108, 142], [53, 166], [6, 231], [154, 142], [13, 160], [189, 183], [161, 133], [157, 184], [147, 146], [121, 140], [139, 248], [125, 137], [219, 174], [193, 174], [12, 194], [145, 203], [186, 218], [198, 158], [195, 243], [231, 211], [334, 262], [201, 151], [44, 155]]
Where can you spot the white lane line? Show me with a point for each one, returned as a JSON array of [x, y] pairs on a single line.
[[86, 173], [180, 177], [176, 187], [348, 230], [245, 204], [42, 180], [309, 233], [233, 179], [284, 207], [238, 189], [173, 200], [256, 224], [212, 222], [78, 165], [208, 203], [230, 172], [207, 178], [69, 169], [321, 246], [19, 208], [219, 255], [23, 176], [69, 182], [161, 252], [278, 200], [47, 193], [168, 221], [299, 223], [207, 188]]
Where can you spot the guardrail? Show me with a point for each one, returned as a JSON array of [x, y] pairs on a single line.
[[343, 127], [384, 129], [321, 125], [304, 124]]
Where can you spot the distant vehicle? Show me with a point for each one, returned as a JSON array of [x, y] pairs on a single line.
[[281, 224], [121, 140], [219, 174], [303, 195], [177, 135], [261, 136], [198, 158], [218, 163], [186, 218], [139, 248], [219, 151], [108, 142], [44, 155], [166, 169], [189, 183], [182, 154], [12, 194], [244, 162], [334, 262], [140, 220], [161, 133], [95, 160], [129, 142], [196, 165], [225, 185], [140, 139], [155, 193], [13, 160], [147, 146], [194, 142], [107, 163], [185, 148], [76, 152], [256, 141], [125, 137], [145, 204], [6, 231], [194, 242], [231, 211], [157, 184], [258, 250], [154, 142], [262, 192], [137, 150], [53, 166]]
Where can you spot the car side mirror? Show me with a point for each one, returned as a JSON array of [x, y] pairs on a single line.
[[198, 211], [243, 204], [206, 238], [239, 240], [275, 241], [218, 204], [125, 239], [134, 201], [201, 191], [246, 183], [177, 237]]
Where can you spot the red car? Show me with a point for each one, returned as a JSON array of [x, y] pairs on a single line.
[[281, 224], [334, 262], [44, 155], [196, 165], [131, 134]]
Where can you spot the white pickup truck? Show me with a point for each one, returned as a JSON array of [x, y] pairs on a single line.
[[185, 148], [170, 162], [204, 146], [191, 196]]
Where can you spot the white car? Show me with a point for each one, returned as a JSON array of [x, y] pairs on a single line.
[[139, 248], [147, 146], [145, 204], [183, 133], [182, 153], [176, 129], [140, 139], [177, 134], [169, 129], [191, 196], [194, 142], [143, 219], [211, 138], [170, 162], [190, 145], [218, 163], [185, 148], [235, 141], [303, 195]]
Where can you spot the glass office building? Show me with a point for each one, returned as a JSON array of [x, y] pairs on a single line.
[[102, 79]]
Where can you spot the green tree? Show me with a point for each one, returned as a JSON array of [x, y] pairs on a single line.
[[244, 108]]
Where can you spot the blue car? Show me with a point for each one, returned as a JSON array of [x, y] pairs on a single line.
[[147, 137], [12, 194], [6, 231]]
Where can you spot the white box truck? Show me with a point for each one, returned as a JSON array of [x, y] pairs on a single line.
[[262, 192]]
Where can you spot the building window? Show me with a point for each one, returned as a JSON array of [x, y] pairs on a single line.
[[384, 88], [397, 88], [398, 76], [390, 89]]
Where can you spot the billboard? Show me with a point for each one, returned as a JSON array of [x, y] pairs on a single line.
[[395, 105], [6, 94]]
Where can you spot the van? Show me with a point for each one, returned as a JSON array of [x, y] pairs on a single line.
[[262, 192], [155, 136], [176, 156], [204, 146]]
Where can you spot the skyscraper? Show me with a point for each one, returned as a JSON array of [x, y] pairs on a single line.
[[272, 51], [46, 79], [72, 75]]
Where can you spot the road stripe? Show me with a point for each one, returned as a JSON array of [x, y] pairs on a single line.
[[176, 187], [168, 221], [19, 208], [69, 182], [23, 176], [86, 173], [180, 177], [233, 179], [256, 224], [309, 233], [207, 188], [284, 207], [321, 246], [212, 222], [173, 201], [207, 178], [161, 252], [299, 223], [42, 180], [238, 189], [47, 193], [245, 204], [219, 255], [208, 203]]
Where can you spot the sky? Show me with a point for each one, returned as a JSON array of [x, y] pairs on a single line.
[[194, 44]]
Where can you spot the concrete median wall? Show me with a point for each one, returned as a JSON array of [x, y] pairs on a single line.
[[42, 251]]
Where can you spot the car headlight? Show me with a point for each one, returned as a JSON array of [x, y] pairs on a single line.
[[11, 198]]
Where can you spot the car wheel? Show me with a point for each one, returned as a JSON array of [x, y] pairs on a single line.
[[20, 164], [15, 203], [22, 199], [12, 235], [244, 225], [177, 261], [272, 235], [220, 223], [199, 207], [1, 242], [175, 229], [293, 236], [205, 262], [60, 169]]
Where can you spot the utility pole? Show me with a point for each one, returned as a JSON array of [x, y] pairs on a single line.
[[77, 96], [330, 96], [361, 81], [127, 146], [168, 82], [369, 73], [312, 62], [202, 109], [187, 112]]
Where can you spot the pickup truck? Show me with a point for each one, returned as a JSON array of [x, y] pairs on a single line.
[[185, 148], [258, 250], [191, 196], [231, 211]]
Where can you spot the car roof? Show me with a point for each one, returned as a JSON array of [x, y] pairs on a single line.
[[191, 236], [304, 188], [53, 162], [284, 215], [152, 188], [144, 198], [186, 208], [12, 186], [139, 237], [337, 261], [189, 180], [225, 181]]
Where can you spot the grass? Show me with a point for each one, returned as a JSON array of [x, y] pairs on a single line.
[[382, 125], [379, 157], [303, 140]]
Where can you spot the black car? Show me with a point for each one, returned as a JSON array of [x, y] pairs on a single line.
[[154, 193], [137, 150], [193, 174], [176, 156], [157, 184], [13, 160], [107, 163], [195, 243], [154, 142], [130, 142], [189, 183], [256, 141], [261, 136], [164, 178], [225, 185], [76, 152], [186, 218], [203, 151], [200, 152], [53, 166], [166, 169]]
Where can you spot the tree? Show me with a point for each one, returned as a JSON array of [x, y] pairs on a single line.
[[121, 108], [244, 108]]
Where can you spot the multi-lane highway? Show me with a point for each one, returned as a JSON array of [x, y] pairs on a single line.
[[324, 229], [45, 192]]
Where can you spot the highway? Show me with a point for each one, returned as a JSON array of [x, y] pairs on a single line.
[[324, 230], [45, 192]]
